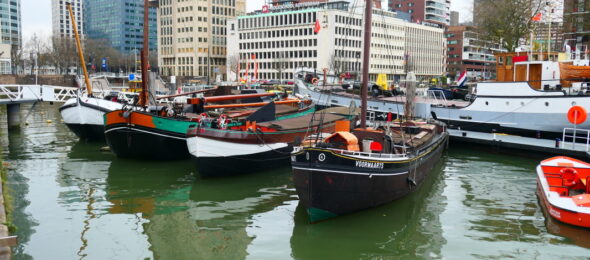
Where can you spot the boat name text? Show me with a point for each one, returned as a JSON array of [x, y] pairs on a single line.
[[372, 165]]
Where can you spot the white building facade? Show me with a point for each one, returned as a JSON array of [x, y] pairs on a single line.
[[278, 42], [60, 16]]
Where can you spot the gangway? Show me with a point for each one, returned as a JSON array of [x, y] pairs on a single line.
[[14, 95]]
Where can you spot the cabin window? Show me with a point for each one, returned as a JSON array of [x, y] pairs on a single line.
[[501, 60], [509, 60]]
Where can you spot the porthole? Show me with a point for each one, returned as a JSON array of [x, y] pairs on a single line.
[[546, 104], [573, 103], [522, 103], [508, 103], [486, 103]]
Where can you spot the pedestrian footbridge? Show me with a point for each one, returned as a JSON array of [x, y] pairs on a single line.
[[16, 94]]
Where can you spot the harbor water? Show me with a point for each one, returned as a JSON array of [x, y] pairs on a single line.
[[74, 201]]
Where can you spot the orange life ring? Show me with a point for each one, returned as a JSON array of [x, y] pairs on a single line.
[[314, 81], [577, 115]]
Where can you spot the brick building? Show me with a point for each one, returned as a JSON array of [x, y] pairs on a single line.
[[467, 52]]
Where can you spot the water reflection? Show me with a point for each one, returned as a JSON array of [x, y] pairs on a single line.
[[493, 210], [188, 218], [73, 201], [408, 227]]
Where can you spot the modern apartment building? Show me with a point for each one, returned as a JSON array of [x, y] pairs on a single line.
[[466, 51], [61, 23], [192, 39], [434, 12], [282, 41], [120, 23], [11, 33], [576, 17]]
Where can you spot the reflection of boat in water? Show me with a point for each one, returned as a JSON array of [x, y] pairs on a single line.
[[579, 236], [406, 228], [194, 219]]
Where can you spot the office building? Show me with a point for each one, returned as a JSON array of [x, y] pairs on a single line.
[[192, 40], [61, 23], [120, 23], [10, 22], [431, 12], [576, 14], [454, 18], [281, 41]]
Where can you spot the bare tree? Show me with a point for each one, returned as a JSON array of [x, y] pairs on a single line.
[[233, 64], [63, 54], [507, 21], [36, 48], [280, 64]]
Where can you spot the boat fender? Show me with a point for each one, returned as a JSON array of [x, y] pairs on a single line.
[[412, 181]]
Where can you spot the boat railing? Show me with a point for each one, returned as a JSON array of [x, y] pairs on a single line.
[[436, 97], [575, 135], [371, 155]]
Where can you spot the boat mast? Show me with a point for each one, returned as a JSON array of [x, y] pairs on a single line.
[[80, 52], [366, 55], [143, 96]]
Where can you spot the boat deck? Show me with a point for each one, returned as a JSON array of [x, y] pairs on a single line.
[[402, 99], [331, 115], [513, 142]]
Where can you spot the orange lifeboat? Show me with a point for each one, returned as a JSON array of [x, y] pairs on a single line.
[[572, 72], [563, 186]]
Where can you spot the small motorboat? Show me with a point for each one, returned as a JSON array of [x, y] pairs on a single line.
[[563, 187]]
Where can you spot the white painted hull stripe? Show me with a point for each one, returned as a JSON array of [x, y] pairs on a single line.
[[143, 131]]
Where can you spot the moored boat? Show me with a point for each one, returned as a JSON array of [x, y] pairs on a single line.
[[256, 145], [159, 136], [528, 99], [563, 186], [84, 114]]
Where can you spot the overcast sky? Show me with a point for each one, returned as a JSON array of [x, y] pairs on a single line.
[[36, 14]]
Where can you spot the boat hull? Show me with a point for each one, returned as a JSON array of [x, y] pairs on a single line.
[[338, 188], [84, 116], [215, 158], [562, 215], [522, 111], [145, 136]]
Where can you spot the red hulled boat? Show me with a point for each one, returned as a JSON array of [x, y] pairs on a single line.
[[563, 187]]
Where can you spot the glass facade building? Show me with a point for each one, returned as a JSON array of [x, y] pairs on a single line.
[[10, 22], [120, 23]]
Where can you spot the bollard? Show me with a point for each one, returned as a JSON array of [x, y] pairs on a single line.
[[13, 115], [557, 141]]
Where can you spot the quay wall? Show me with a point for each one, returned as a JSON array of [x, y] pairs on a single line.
[[55, 80]]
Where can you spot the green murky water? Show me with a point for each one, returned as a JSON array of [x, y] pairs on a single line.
[[74, 202]]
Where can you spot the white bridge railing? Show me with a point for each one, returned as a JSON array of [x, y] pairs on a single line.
[[35, 93], [574, 135]]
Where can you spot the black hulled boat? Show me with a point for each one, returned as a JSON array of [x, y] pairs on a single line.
[[353, 170]]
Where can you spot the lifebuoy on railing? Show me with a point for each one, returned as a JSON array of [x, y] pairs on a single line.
[[577, 115], [315, 81]]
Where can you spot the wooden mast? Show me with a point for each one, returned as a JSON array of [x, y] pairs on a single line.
[[366, 55], [80, 52], [143, 96]]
